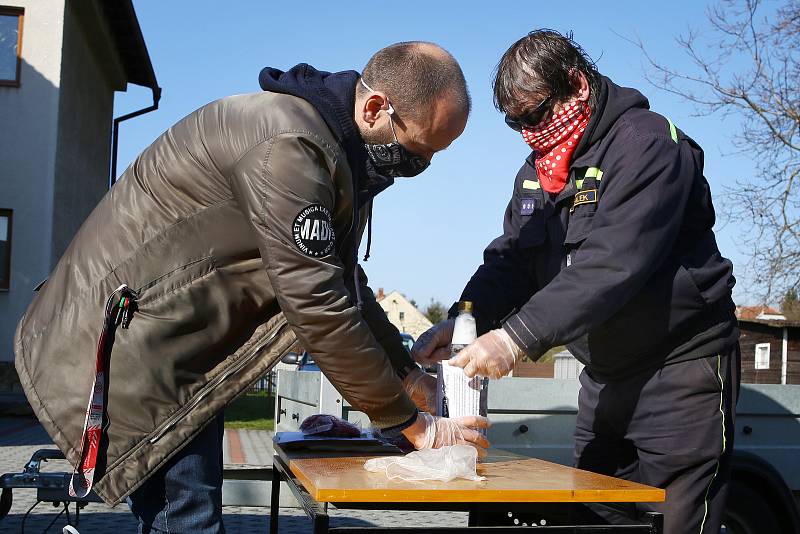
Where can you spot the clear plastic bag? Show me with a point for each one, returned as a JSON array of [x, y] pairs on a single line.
[[444, 464]]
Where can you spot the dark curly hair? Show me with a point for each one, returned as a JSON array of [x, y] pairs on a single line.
[[540, 65]]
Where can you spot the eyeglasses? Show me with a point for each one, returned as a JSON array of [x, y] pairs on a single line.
[[530, 119]]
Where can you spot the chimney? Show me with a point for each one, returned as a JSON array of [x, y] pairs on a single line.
[[380, 294]]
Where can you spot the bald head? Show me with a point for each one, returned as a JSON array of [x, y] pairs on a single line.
[[416, 75]]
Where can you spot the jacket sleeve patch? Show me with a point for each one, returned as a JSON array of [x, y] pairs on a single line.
[[312, 231], [585, 197]]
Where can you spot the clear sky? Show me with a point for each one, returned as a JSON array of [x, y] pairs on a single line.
[[429, 231]]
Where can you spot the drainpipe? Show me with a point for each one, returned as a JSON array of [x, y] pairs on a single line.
[[785, 355], [115, 138]]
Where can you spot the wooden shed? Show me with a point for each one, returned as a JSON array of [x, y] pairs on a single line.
[[770, 349]]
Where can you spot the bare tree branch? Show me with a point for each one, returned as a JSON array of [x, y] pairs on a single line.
[[747, 65]]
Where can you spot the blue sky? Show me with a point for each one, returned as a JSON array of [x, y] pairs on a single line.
[[429, 231]]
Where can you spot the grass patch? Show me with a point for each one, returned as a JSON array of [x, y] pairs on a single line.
[[254, 411]]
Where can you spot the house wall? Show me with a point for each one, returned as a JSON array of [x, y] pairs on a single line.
[[54, 159], [534, 370], [752, 334], [89, 75], [793, 369], [28, 138], [413, 321]]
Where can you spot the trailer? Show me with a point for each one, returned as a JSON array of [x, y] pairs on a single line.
[[532, 417]]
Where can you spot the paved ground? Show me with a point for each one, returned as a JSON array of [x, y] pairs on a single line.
[[20, 437], [247, 447]]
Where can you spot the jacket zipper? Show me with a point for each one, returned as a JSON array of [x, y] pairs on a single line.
[[166, 426]]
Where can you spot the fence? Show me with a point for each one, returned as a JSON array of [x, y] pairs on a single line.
[[265, 383]]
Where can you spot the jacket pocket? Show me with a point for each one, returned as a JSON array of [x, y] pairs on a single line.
[[532, 227], [531, 234], [686, 294], [578, 229], [175, 279], [709, 365]]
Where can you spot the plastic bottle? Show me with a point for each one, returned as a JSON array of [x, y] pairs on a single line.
[[458, 395]]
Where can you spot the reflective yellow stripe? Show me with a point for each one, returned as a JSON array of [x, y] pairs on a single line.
[[672, 131], [530, 184], [591, 172]]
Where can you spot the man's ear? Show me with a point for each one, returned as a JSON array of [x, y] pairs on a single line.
[[581, 84], [372, 106]]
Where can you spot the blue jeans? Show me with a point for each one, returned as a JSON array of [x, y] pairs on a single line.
[[185, 494]]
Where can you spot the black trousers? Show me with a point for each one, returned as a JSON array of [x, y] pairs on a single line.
[[671, 428]]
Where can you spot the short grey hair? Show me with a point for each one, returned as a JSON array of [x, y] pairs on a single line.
[[414, 75]]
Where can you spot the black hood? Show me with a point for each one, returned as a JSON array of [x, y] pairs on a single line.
[[612, 102], [333, 95]]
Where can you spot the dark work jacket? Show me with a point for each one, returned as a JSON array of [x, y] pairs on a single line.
[[622, 265]]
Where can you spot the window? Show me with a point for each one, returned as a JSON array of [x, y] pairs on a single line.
[[402, 316], [10, 44], [5, 249], [762, 356]]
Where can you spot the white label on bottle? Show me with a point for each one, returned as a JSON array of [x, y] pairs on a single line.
[[464, 331]]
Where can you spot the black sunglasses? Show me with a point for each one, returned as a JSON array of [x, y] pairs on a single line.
[[532, 118]]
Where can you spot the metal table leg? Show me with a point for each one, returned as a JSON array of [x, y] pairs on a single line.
[[656, 521], [317, 512], [275, 499]]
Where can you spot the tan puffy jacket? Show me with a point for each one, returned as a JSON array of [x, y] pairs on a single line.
[[236, 227]]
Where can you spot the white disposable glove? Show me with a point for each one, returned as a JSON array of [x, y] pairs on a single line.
[[430, 432], [492, 355], [434, 345], [421, 387]]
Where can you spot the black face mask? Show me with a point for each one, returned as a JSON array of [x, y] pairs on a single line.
[[392, 159]]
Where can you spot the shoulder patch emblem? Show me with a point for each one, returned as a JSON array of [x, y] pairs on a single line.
[[585, 197], [528, 205], [312, 231]]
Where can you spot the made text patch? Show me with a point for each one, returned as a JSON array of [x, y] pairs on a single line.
[[312, 231]]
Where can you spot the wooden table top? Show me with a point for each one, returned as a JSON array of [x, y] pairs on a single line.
[[509, 478]]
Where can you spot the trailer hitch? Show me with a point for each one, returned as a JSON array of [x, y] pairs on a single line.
[[50, 487]]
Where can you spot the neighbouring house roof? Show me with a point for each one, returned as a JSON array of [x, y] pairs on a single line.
[[748, 313], [765, 315], [130, 43], [398, 297], [777, 323]]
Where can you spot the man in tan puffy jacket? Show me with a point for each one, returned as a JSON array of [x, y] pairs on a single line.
[[237, 232]]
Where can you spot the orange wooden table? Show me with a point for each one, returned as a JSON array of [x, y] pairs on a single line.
[[512, 483]]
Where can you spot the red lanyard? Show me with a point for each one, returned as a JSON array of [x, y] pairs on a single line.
[[116, 314]]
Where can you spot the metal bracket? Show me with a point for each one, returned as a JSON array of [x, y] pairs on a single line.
[[50, 487]]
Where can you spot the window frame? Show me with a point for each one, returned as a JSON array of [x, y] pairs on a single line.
[[755, 356], [6, 212], [18, 12]]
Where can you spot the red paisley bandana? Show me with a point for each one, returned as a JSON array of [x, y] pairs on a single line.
[[554, 142]]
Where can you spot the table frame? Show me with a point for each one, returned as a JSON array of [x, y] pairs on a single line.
[[649, 523]]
